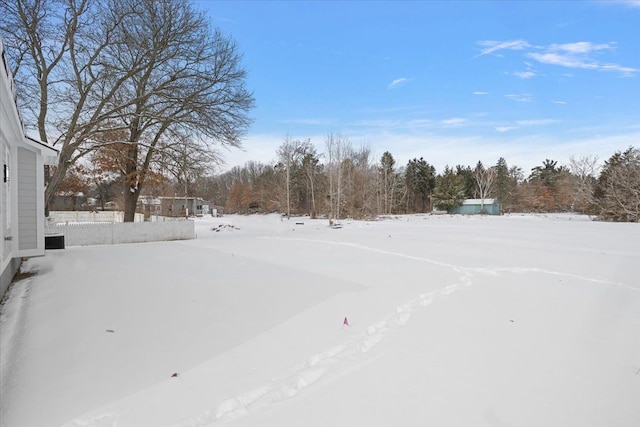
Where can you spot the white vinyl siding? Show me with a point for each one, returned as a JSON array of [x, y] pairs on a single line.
[[5, 205], [27, 200]]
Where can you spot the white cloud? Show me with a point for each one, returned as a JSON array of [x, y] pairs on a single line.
[[491, 46], [523, 123], [535, 122], [524, 97], [525, 74], [625, 71], [582, 55], [481, 93], [579, 47], [563, 60], [560, 102], [397, 82], [455, 121]]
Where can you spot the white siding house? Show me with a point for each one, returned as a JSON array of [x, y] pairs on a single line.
[[22, 221]]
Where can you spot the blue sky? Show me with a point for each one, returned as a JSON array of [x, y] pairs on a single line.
[[453, 82]]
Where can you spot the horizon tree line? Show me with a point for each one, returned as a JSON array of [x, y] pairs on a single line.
[[348, 182]]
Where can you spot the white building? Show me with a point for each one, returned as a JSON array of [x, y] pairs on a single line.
[[22, 221]]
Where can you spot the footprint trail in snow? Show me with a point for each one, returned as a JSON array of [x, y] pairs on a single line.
[[323, 365]]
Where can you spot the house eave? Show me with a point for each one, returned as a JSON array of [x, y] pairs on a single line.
[[49, 154]]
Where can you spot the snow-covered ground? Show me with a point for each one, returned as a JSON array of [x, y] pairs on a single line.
[[452, 321]]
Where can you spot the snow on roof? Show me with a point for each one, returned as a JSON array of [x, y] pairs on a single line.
[[478, 201]]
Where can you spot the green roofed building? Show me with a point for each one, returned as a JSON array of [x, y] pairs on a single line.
[[478, 206]]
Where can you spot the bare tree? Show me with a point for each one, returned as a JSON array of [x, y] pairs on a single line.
[[389, 180], [186, 161], [485, 179], [584, 171], [190, 84], [618, 191], [364, 184], [155, 69], [310, 166], [58, 54], [337, 148], [291, 153]]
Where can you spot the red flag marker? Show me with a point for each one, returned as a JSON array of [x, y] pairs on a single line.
[[346, 322]]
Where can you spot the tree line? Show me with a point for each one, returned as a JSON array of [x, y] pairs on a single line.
[[346, 181]]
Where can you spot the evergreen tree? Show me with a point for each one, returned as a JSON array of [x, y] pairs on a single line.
[[503, 186], [420, 181], [450, 190], [548, 173], [388, 182], [551, 186], [468, 180]]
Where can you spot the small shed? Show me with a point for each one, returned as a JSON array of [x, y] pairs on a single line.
[[478, 206]]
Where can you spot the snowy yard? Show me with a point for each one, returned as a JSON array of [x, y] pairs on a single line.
[[452, 321]]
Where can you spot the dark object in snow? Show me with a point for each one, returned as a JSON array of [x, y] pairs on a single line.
[[174, 375], [54, 241], [222, 227], [511, 320], [299, 223], [111, 331]]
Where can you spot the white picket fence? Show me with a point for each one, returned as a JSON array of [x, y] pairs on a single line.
[[127, 232], [65, 217]]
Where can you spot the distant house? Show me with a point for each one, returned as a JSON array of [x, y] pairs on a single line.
[[216, 210], [478, 206], [22, 220], [178, 206]]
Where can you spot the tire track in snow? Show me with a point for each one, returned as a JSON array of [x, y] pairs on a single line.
[[369, 248], [497, 270], [464, 269], [99, 420], [320, 366]]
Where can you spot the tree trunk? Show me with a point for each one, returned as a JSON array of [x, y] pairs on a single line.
[[288, 192], [131, 188], [57, 176], [313, 200], [130, 203]]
